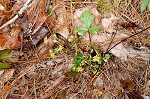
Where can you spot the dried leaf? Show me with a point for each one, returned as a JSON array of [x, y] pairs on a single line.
[[64, 32], [5, 90], [127, 84], [108, 23], [134, 95], [8, 74], [1, 7], [37, 15], [63, 94], [9, 11], [1, 72], [131, 95], [11, 40], [70, 74]]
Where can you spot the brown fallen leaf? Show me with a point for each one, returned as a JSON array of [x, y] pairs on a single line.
[[63, 94], [127, 84], [37, 15], [128, 93], [131, 95], [9, 11], [9, 40], [7, 75], [6, 89], [1, 7]]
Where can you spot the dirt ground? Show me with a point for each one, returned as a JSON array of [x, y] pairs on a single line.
[[47, 25]]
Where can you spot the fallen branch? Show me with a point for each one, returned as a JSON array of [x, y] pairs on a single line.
[[25, 6], [127, 38]]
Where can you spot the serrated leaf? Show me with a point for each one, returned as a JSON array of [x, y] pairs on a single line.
[[81, 31], [144, 5], [87, 18], [94, 29], [4, 65], [5, 54]]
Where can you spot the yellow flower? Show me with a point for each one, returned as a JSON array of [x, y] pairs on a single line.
[[52, 54], [60, 48], [80, 69], [96, 58]]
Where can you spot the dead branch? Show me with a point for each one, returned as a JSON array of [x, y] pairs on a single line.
[[25, 6]]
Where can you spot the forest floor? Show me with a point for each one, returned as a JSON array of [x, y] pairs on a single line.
[[44, 56]]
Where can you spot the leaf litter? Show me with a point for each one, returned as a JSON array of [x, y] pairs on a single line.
[[41, 76]]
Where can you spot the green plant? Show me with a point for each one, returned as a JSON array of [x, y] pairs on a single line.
[[87, 19], [58, 49], [90, 62], [144, 4], [5, 55], [103, 5], [93, 60]]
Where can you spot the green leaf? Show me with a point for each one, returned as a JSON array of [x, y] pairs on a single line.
[[49, 11], [116, 3], [94, 29], [123, 4], [5, 54], [81, 31], [77, 62], [106, 57], [79, 56], [97, 52], [87, 18], [144, 4], [75, 69], [97, 65], [4, 65], [149, 5]]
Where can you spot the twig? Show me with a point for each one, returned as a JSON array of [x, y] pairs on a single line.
[[113, 36], [127, 38], [25, 6]]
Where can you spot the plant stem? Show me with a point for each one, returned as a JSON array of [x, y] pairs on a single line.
[[90, 37]]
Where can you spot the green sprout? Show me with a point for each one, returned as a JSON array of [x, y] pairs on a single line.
[[144, 4]]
